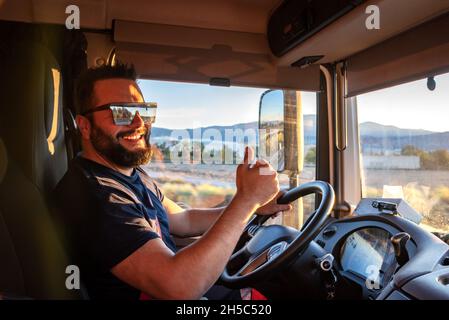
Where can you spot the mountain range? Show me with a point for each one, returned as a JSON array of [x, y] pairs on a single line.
[[374, 136]]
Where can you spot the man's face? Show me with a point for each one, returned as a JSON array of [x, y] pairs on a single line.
[[126, 146]]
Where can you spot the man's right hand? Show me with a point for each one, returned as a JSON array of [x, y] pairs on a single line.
[[256, 182]]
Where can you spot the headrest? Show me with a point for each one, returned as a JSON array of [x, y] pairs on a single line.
[[70, 120]]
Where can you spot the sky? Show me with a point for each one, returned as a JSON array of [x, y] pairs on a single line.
[[186, 105], [409, 106]]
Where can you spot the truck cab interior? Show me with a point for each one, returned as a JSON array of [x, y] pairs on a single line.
[[357, 241]]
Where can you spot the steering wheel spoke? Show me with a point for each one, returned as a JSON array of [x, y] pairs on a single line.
[[238, 260], [259, 260]]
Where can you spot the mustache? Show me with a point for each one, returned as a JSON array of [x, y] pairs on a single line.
[[144, 132]]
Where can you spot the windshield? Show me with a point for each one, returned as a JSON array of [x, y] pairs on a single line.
[[199, 136], [404, 142]]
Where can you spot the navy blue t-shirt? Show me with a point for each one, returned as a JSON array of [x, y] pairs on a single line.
[[104, 217]]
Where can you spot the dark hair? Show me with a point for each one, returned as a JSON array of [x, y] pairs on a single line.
[[85, 83]]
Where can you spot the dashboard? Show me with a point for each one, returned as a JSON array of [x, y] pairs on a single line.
[[365, 264], [365, 260]]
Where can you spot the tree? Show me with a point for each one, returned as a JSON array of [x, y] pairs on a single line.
[[434, 160], [440, 159], [310, 156], [410, 150]]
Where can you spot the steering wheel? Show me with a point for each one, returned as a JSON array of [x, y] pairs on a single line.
[[263, 250]]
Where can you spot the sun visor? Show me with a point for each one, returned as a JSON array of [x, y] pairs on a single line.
[[415, 54], [177, 53]]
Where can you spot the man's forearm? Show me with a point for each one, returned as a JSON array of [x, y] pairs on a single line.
[[188, 273], [206, 255], [200, 220]]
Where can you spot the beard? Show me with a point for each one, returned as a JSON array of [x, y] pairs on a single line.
[[110, 148]]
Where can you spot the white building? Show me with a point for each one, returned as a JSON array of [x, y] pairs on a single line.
[[391, 162]]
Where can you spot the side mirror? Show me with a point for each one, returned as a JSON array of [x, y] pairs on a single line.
[[280, 122]]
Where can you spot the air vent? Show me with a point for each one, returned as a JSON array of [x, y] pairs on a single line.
[[252, 230]]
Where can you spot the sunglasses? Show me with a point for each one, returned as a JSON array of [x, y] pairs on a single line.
[[123, 113]]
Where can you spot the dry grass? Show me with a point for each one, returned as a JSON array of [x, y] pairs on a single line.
[[432, 203], [201, 196], [209, 186]]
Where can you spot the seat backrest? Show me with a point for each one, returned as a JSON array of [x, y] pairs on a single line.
[[33, 158], [33, 262], [31, 122]]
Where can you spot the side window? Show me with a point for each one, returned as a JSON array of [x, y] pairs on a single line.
[[199, 137], [404, 135]]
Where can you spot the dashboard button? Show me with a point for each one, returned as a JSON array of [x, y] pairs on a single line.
[[329, 232], [445, 261], [321, 243]]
